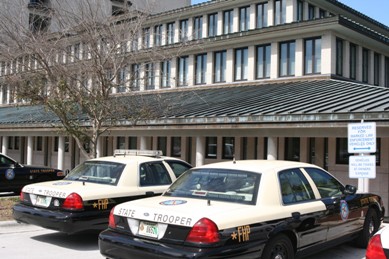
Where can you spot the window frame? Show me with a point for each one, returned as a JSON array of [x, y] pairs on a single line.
[[241, 64], [244, 18], [290, 59], [212, 24], [261, 15], [201, 69], [183, 70], [263, 51], [315, 67], [220, 74], [228, 21]]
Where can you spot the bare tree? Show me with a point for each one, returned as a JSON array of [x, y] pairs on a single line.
[[77, 60]]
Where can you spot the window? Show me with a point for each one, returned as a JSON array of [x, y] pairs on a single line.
[[38, 143], [261, 15], [134, 44], [183, 71], [146, 38], [241, 64], [287, 58], [165, 73], [294, 186], [162, 144], [300, 11], [158, 35], [353, 61], [153, 174], [279, 12], [228, 147], [377, 68], [386, 72], [292, 149], [228, 21], [176, 147], [365, 65], [170, 33], [38, 23], [135, 77], [212, 25], [339, 57], [132, 142], [120, 142], [149, 76], [244, 18], [178, 167], [263, 61], [201, 69], [327, 185], [220, 66], [122, 79], [311, 12], [77, 52], [312, 56], [322, 13], [184, 30], [342, 155], [211, 145], [198, 28]]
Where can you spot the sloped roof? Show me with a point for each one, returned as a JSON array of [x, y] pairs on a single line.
[[299, 101]]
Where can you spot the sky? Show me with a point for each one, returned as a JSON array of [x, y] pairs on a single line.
[[376, 9]]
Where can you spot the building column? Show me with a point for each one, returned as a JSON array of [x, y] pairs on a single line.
[[274, 61], [200, 149], [30, 145], [99, 147], [61, 152], [299, 66], [4, 145], [143, 145], [272, 148]]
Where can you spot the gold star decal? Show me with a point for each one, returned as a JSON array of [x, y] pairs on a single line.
[[233, 236], [95, 205]]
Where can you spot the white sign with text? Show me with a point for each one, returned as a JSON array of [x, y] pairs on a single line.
[[362, 167]]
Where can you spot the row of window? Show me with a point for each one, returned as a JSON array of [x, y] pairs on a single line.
[[79, 51], [292, 147], [366, 63]]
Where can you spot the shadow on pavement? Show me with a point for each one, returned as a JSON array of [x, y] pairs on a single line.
[[80, 242]]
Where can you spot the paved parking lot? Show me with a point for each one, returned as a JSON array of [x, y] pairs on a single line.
[[20, 241]]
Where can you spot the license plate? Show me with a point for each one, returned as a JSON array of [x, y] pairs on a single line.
[[43, 201], [148, 229]]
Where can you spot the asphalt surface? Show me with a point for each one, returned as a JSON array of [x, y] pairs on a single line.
[[21, 241]]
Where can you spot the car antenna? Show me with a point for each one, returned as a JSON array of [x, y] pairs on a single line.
[[233, 159], [209, 202]]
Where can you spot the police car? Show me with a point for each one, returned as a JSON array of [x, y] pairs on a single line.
[[82, 201], [13, 175], [243, 209]]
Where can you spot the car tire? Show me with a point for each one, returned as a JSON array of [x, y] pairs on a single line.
[[279, 247], [370, 227]]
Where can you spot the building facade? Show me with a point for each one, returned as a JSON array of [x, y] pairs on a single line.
[[266, 79]]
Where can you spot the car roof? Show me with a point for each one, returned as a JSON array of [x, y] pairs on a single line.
[[258, 166]]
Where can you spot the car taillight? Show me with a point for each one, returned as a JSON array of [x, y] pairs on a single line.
[[204, 231], [60, 173], [21, 197], [111, 220], [73, 202], [374, 249]]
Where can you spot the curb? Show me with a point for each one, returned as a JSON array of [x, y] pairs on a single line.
[[9, 223]]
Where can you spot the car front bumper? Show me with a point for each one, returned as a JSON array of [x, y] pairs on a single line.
[[64, 221], [117, 245]]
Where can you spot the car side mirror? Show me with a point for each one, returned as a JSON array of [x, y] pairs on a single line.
[[350, 190]]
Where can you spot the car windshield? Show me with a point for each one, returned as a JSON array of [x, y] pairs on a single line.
[[217, 184], [97, 172]]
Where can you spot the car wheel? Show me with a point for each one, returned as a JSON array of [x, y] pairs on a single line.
[[370, 226], [278, 247]]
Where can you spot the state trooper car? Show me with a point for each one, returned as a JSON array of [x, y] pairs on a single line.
[[243, 209], [13, 175], [82, 201]]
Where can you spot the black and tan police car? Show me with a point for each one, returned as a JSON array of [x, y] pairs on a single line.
[[13, 176], [82, 201], [243, 209]]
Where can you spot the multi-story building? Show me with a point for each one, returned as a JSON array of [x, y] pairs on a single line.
[[267, 79]]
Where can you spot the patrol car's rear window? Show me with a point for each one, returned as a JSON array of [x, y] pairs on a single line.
[[217, 184], [101, 172]]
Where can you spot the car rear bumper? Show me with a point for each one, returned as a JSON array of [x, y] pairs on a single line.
[[63, 221], [116, 245]]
